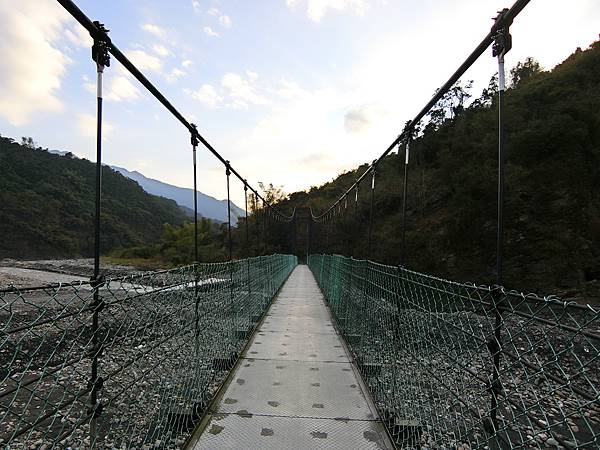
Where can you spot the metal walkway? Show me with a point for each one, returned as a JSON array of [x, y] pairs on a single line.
[[295, 388]]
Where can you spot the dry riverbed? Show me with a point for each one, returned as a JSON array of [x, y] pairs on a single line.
[[49, 271]]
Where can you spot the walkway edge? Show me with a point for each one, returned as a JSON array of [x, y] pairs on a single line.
[[197, 433]]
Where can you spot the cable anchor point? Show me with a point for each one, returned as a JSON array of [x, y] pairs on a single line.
[[194, 135], [502, 39], [102, 44]]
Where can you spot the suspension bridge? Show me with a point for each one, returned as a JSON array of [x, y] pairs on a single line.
[[300, 349]]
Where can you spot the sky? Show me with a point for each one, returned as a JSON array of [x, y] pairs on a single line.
[[292, 92]]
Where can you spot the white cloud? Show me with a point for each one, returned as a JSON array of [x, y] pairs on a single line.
[[32, 65], [317, 9], [87, 126], [207, 95], [225, 21], [187, 63], [210, 32], [161, 50], [155, 30], [120, 88], [174, 75], [145, 61], [117, 87], [196, 6], [360, 119], [242, 90], [79, 36], [289, 90]]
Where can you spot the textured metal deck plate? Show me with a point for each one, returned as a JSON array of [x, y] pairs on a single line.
[[231, 431], [296, 387], [295, 324], [298, 346]]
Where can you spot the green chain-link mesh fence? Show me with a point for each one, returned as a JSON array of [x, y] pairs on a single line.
[[166, 341], [426, 349]]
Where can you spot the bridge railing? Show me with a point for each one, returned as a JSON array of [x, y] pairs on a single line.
[[163, 344], [427, 347]]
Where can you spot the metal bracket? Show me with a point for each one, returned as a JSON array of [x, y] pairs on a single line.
[[101, 45], [194, 136], [502, 39], [97, 282]]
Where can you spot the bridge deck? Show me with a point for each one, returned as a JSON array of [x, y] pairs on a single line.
[[295, 387]]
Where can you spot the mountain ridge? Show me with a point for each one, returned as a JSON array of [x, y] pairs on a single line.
[[208, 206]]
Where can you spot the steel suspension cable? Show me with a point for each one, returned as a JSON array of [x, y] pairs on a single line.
[[505, 18], [98, 33]]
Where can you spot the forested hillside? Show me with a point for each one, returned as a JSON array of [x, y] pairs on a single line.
[[552, 207], [47, 205], [553, 186]]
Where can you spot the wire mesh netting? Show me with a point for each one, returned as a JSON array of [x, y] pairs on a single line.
[[164, 342], [453, 365]]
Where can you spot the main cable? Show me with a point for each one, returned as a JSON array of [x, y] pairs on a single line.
[[99, 34]]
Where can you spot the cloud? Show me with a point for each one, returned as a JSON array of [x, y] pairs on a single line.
[[161, 50], [359, 119], [87, 126], [210, 32], [32, 65], [317, 9], [196, 6], [213, 12], [120, 88], [187, 63], [207, 95], [145, 61], [174, 74], [289, 90], [356, 120], [225, 21], [79, 36], [155, 30], [242, 90]]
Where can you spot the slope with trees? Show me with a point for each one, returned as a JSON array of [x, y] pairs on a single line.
[[47, 205]]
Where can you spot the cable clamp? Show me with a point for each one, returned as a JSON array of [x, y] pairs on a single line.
[[194, 136], [98, 282], [102, 44], [502, 39]]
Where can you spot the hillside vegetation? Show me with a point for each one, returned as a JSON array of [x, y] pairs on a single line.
[[552, 180], [47, 206]]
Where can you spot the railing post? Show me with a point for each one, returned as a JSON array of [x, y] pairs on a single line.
[[371, 212], [326, 248], [257, 224], [404, 191], [227, 174], [354, 243], [229, 243], [194, 141], [247, 239], [309, 226], [101, 57], [502, 44]]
